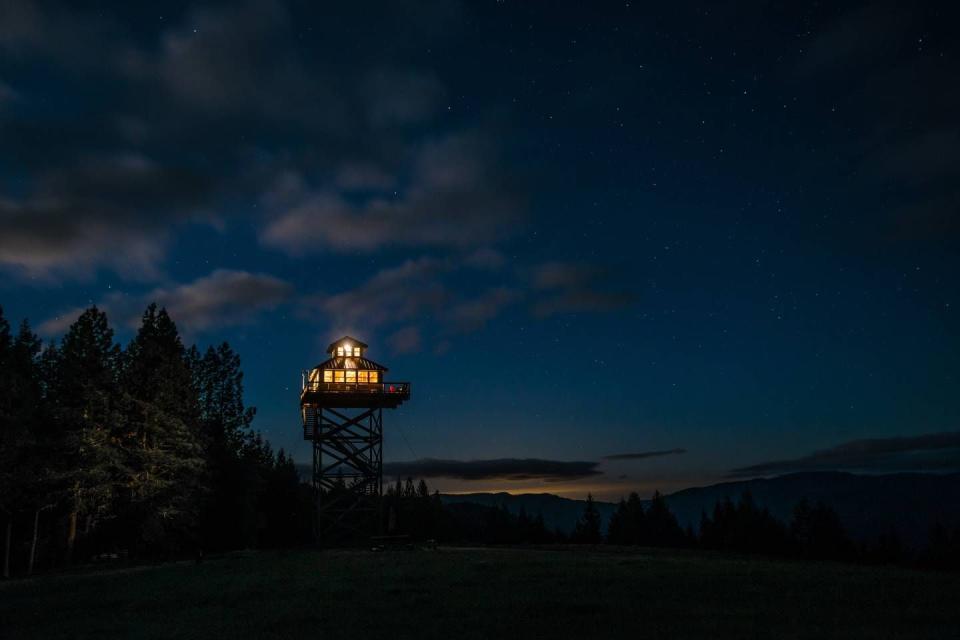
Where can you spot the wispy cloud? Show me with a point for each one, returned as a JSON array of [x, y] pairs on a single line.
[[225, 297], [222, 298], [102, 210], [495, 469], [642, 455], [574, 287], [928, 452], [455, 197]]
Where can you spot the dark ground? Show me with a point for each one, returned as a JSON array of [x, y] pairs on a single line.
[[485, 593]]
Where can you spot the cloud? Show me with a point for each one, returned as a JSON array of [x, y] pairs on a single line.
[[496, 469], [58, 324], [397, 294], [582, 301], [102, 210], [7, 93], [57, 31], [642, 455], [574, 287], [563, 275], [235, 60], [878, 58], [473, 314], [459, 293], [354, 176], [929, 452], [401, 96], [860, 36], [188, 92], [411, 293], [455, 197], [406, 340], [222, 298]]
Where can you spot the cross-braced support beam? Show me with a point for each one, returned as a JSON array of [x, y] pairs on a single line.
[[347, 471]]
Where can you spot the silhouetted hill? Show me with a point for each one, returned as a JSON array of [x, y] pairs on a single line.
[[868, 505]]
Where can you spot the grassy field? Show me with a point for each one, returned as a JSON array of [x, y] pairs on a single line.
[[485, 593]]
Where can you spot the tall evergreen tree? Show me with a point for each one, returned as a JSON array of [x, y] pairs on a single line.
[[617, 528], [164, 446], [819, 533], [82, 389], [587, 530], [230, 519], [661, 526], [11, 442]]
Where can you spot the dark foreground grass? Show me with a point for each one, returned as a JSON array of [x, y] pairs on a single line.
[[486, 593]]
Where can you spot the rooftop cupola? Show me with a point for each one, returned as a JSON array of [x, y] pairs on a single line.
[[347, 347]]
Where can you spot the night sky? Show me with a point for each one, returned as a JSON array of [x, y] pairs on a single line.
[[613, 246]]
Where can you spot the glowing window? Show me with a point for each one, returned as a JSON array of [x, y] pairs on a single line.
[[327, 375], [352, 376], [339, 351], [356, 351], [362, 376], [374, 376], [338, 375]]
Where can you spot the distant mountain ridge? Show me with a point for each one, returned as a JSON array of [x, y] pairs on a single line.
[[868, 505], [558, 513]]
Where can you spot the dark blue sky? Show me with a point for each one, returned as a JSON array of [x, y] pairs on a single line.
[[724, 233]]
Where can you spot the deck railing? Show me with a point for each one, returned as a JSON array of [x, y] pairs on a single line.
[[356, 387]]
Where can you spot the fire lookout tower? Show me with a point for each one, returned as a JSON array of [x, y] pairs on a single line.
[[342, 402]]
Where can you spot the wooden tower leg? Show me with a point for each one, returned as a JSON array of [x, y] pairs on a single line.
[[348, 474]]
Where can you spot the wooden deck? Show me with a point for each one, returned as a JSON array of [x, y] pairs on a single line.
[[385, 395]]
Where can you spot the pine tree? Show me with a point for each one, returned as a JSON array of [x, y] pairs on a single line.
[[422, 490], [11, 444], [164, 446], [83, 392], [587, 530], [819, 532], [617, 528], [28, 466], [287, 523], [229, 518], [662, 529], [635, 520]]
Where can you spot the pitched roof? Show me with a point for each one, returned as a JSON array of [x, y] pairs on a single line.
[[352, 341], [350, 363]]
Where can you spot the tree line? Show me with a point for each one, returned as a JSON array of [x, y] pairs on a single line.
[[146, 449], [814, 532]]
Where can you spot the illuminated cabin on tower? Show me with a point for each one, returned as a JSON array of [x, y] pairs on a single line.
[[341, 402]]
